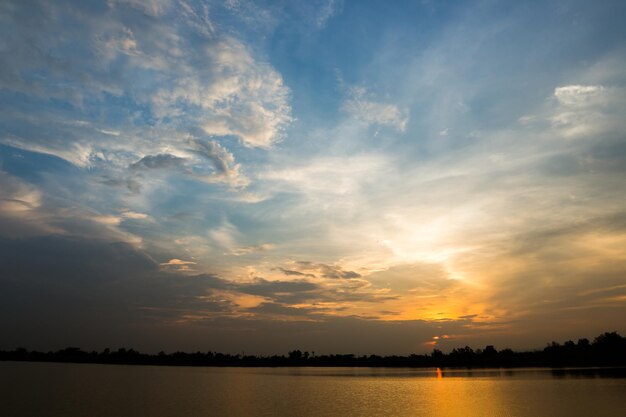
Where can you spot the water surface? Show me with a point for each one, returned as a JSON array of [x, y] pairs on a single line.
[[70, 390]]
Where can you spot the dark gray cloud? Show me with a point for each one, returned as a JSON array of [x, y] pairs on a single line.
[[327, 271], [159, 161], [82, 291], [295, 273], [303, 291], [335, 334], [222, 165], [57, 291], [131, 184], [283, 291], [278, 309], [71, 283]]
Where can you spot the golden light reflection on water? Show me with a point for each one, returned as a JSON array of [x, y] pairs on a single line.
[[463, 397]]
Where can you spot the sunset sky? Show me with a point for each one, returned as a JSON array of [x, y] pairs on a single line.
[[327, 175]]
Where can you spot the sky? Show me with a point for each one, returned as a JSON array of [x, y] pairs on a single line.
[[324, 175]]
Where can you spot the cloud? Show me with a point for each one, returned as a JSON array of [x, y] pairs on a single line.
[[152, 8], [302, 17], [131, 184], [432, 226], [227, 237], [244, 250], [327, 271], [337, 296], [283, 291], [178, 265], [20, 205], [159, 161], [579, 95], [318, 177], [290, 272], [584, 110], [57, 291], [225, 168], [119, 274], [156, 80], [176, 262], [95, 276], [416, 278], [75, 285], [361, 106], [279, 310], [26, 210], [253, 14], [327, 10], [524, 274], [250, 102], [235, 96], [581, 111], [17, 197], [221, 168]]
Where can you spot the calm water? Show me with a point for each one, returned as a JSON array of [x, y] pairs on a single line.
[[68, 390]]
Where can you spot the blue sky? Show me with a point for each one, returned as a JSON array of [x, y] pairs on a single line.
[[253, 175]]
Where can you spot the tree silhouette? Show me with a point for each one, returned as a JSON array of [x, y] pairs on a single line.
[[607, 349]]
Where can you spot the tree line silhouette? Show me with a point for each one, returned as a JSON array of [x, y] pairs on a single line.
[[608, 349]]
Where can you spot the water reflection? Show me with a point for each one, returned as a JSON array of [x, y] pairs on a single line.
[[589, 372], [70, 390]]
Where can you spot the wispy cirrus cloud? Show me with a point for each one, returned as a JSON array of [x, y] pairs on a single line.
[[361, 105]]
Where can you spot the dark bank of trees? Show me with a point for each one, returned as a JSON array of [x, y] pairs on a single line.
[[608, 349]]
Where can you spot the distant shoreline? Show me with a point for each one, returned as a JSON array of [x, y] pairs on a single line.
[[608, 350], [609, 370]]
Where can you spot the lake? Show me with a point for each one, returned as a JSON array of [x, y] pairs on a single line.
[[69, 390]]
